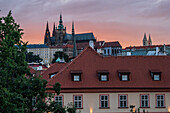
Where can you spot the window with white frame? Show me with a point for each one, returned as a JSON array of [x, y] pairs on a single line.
[[76, 77], [124, 77], [78, 101], [59, 100], [122, 101], [160, 100], [156, 77], [144, 100], [104, 100], [104, 78]]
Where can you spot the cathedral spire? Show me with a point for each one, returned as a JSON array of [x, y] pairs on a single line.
[[60, 26], [47, 35], [54, 30], [149, 41], [74, 41], [145, 42], [47, 28]]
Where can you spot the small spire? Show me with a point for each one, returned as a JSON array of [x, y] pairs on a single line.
[[72, 27], [74, 41], [149, 37], [61, 21], [149, 40], [54, 29], [145, 38], [47, 28], [60, 26]]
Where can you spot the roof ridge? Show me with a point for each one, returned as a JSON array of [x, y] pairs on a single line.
[[73, 62]]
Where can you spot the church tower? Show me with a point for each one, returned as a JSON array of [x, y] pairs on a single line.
[[60, 33], [145, 41], [74, 41], [47, 36], [149, 41]]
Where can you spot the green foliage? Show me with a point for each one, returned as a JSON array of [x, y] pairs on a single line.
[[136, 111], [32, 58], [61, 55], [13, 66], [71, 109], [57, 88], [20, 93]]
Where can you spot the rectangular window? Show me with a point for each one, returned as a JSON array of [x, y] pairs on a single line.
[[144, 100], [160, 100], [124, 77], [123, 101], [103, 77], [104, 101], [59, 100], [156, 77], [78, 101], [76, 78]]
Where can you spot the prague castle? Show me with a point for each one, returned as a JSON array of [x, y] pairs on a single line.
[[61, 37]]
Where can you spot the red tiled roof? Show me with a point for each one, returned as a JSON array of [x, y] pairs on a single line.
[[112, 44], [32, 70], [139, 67], [144, 47], [53, 69]]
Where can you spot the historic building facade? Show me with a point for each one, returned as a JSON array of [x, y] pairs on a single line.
[[99, 84]]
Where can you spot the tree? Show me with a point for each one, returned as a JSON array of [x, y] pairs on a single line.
[[60, 54], [13, 66], [33, 58], [19, 92]]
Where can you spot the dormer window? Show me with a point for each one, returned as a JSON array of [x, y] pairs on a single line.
[[103, 75], [76, 75], [156, 75], [103, 78], [124, 75], [52, 75]]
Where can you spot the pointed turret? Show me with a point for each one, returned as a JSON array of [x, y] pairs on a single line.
[[149, 41], [47, 35], [54, 30], [145, 42], [60, 26], [74, 41]]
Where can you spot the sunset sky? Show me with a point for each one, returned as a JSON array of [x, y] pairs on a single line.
[[125, 21]]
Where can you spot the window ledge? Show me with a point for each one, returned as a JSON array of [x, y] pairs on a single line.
[[104, 107], [123, 107], [160, 107], [79, 108]]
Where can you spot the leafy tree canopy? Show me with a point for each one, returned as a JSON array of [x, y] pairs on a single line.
[[60, 54], [33, 58]]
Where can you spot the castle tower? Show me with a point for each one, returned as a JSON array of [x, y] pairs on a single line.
[[74, 41], [149, 41], [145, 41], [47, 36], [60, 33], [60, 26]]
